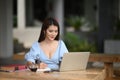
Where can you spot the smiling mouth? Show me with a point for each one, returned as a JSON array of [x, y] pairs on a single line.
[[52, 37]]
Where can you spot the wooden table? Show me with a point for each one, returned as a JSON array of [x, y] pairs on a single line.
[[89, 74], [108, 60]]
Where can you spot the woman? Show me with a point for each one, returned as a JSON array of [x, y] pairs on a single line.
[[49, 49]]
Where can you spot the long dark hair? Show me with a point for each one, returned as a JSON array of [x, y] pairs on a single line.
[[46, 23]]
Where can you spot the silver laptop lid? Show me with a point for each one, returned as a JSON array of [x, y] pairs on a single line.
[[74, 61]]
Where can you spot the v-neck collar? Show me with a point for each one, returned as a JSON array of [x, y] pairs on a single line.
[[53, 53]]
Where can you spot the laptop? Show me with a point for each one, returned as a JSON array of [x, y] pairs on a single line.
[[74, 61]]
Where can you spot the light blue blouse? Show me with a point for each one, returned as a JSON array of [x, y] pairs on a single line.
[[37, 53]]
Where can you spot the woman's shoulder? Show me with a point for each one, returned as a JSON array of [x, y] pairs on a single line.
[[61, 41], [35, 44]]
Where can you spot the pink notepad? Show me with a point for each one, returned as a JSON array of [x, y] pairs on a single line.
[[12, 67]]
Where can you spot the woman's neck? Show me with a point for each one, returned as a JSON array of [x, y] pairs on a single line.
[[48, 41]]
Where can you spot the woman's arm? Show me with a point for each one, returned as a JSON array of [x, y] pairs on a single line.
[[31, 55]]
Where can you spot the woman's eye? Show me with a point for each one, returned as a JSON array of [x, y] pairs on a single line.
[[53, 31], [56, 31], [50, 31]]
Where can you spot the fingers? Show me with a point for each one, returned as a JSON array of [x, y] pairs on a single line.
[[42, 65]]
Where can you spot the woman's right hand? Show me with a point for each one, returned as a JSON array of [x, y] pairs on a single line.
[[29, 63], [42, 65]]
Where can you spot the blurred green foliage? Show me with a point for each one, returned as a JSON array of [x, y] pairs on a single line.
[[18, 46], [75, 43], [74, 21]]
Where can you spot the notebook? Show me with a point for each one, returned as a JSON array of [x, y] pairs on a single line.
[[12, 67], [74, 61]]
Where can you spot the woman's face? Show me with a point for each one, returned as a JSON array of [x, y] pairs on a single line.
[[51, 32]]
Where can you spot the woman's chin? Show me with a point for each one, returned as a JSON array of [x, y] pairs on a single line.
[[51, 39]]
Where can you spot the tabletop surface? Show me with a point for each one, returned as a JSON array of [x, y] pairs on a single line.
[[104, 58], [89, 74]]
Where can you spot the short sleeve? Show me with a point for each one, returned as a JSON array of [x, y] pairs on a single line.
[[63, 48], [31, 55]]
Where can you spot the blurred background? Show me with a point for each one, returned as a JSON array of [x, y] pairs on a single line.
[[86, 25]]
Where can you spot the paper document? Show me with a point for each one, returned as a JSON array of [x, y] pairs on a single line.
[[42, 70]]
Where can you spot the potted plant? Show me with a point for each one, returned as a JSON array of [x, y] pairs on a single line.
[[75, 22], [76, 43]]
